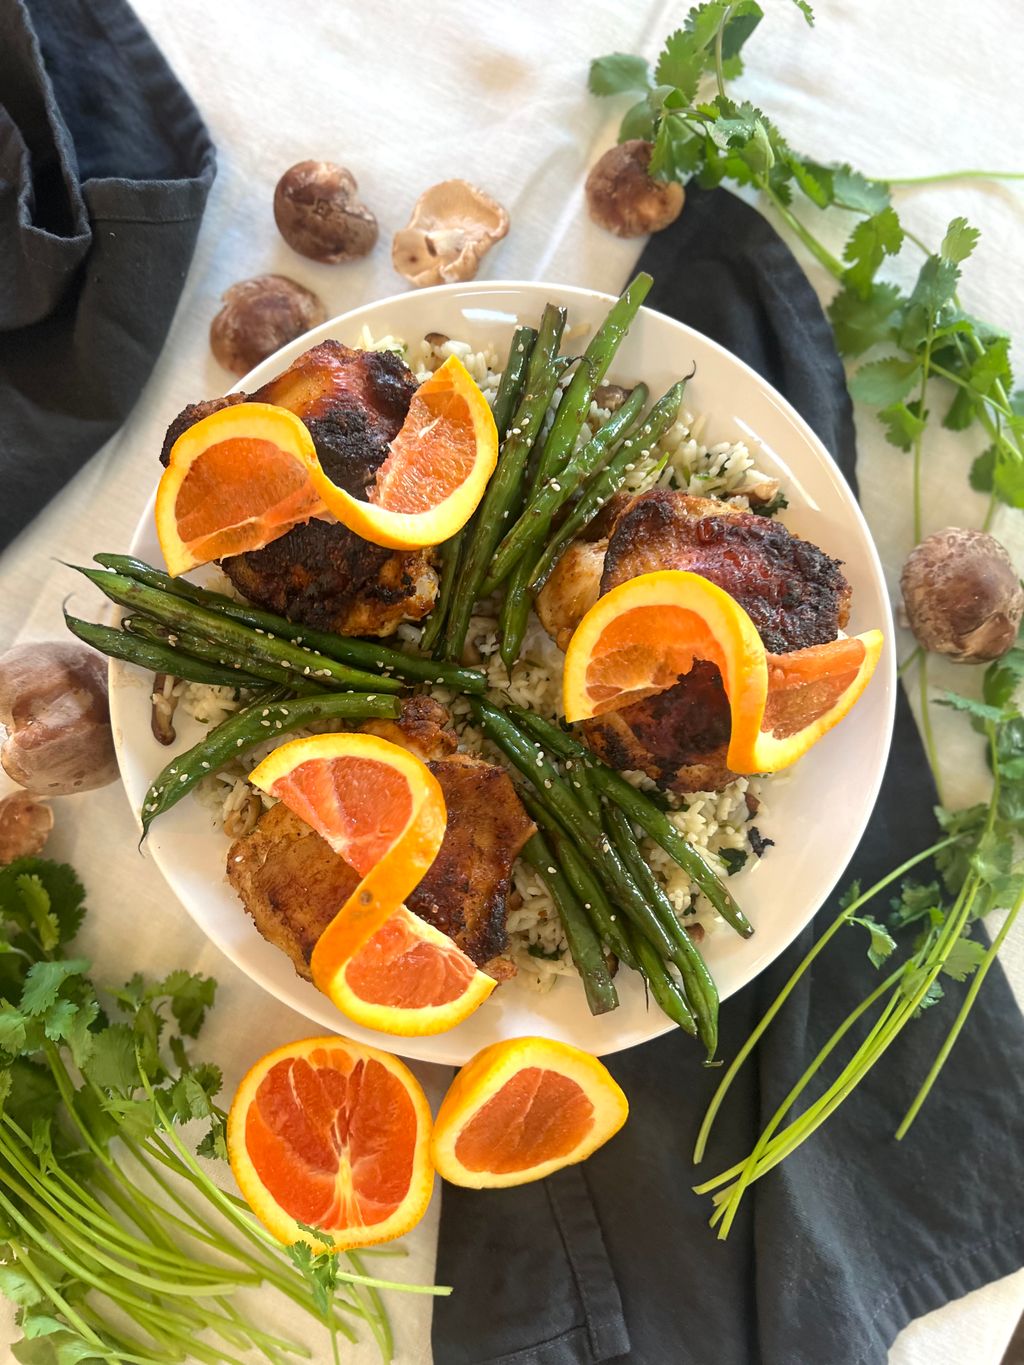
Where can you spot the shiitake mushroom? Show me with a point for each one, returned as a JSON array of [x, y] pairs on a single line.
[[320, 215], [624, 198], [962, 595], [259, 316]]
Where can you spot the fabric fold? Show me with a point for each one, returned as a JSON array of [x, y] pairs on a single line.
[[105, 169]]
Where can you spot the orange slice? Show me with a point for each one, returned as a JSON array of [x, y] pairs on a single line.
[[521, 1109], [235, 481], [382, 810], [809, 691], [335, 1135], [638, 639], [436, 470]]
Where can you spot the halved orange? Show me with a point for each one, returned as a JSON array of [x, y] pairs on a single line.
[[335, 1135], [638, 639], [436, 470], [382, 810], [521, 1109], [235, 481]]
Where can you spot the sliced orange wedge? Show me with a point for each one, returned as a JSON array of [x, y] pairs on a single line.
[[520, 1110], [235, 481], [335, 1135], [436, 470], [382, 810], [638, 639]]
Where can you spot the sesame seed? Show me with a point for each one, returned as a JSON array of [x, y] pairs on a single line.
[[183, 777], [265, 722], [265, 711], [547, 781], [205, 765], [556, 485], [239, 743], [553, 871], [587, 905]]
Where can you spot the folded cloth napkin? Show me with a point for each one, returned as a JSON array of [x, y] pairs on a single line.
[[105, 166], [855, 1234]]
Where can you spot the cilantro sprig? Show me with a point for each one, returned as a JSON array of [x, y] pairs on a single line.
[[106, 1214], [917, 339], [929, 938]]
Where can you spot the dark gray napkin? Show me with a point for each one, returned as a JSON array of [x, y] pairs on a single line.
[[855, 1234], [105, 166]]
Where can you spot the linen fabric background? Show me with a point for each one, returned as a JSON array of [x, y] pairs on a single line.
[[406, 97]]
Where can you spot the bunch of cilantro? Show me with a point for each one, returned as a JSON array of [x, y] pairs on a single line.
[[924, 333], [927, 936], [107, 1220], [924, 351]]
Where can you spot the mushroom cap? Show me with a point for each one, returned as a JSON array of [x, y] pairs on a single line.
[[320, 215], [25, 826], [53, 704], [258, 317], [962, 595], [624, 198], [453, 226]]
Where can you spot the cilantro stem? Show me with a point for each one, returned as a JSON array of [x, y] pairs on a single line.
[[941, 176], [719, 36], [797, 973], [926, 725], [909, 661], [47, 1287], [817, 249]]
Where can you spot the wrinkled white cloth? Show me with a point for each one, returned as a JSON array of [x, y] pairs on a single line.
[[406, 96]]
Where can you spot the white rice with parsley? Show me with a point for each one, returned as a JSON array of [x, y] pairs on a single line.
[[716, 822]]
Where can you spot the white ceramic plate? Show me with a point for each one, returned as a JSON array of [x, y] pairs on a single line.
[[816, 813]]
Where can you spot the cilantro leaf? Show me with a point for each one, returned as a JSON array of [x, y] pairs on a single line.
[[44, 980], [851, 190], [979, 710], [1008, 478], [903, 423], [869, 243], [112, 1065], [813, 178], [885, 381], [991, 367], [65, 892], [861, 321], [214, 1145], [882, 942], [681, 64], [965, 957], [1003, 677], [982, 470], [190, 996], [12, 1028], [916, 901], [617, 73], [959, 241], [805, 9], [637, 122]]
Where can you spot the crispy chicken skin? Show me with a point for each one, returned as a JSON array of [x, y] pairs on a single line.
[[354, 403], [795, 594], [293, 884]]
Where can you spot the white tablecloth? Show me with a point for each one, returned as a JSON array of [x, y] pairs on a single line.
[[406, 96]]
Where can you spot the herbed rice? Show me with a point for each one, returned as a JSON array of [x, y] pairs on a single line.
[[712, 821]]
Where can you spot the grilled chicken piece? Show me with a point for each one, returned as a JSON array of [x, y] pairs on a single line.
[[794, 593], [354, 403], [293, 884]]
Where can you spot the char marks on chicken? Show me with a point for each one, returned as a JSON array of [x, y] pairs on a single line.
[[293, 884], [795, 594], [320, 573]]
